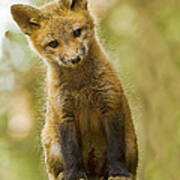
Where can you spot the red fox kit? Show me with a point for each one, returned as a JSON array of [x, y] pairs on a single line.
[[88, 129]]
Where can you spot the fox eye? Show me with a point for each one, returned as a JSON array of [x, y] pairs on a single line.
[[53, 44], [77, 33]]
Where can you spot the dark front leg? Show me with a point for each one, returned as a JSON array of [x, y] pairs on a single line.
[[115, 130], [73, 162]]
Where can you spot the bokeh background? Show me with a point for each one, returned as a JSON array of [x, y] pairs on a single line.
[[142, 40]]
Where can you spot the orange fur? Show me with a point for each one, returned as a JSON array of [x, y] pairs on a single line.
[[83, 88]]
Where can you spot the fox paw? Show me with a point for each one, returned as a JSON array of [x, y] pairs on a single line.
[[61, 176], [120, 178]]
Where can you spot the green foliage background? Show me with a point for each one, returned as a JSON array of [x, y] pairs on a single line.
[[142, 40]]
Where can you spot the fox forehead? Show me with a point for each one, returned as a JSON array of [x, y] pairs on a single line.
[[60, 25], [58, 28], [66, 23], [56, 16]]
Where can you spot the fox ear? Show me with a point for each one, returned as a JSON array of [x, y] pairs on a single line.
[[74, 4], [27, 17], [79, 4]]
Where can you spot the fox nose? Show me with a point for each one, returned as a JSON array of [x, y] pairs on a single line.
[[75, 60]]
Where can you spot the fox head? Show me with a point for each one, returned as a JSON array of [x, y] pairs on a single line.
[[61, 32]]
